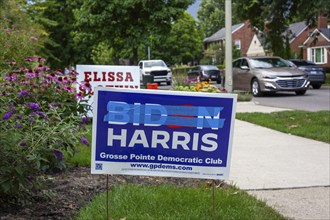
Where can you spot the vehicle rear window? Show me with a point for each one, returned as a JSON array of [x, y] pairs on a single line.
[[154, 63]]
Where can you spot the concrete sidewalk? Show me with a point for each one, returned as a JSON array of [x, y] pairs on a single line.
[[292, 174]]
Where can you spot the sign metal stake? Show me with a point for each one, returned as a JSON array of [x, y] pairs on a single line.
[[107, 202], [213, 208]]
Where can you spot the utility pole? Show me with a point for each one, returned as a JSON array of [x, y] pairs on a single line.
[[148, 52], [229, 48]]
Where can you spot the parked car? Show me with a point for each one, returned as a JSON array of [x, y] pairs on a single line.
[[201, 73], [268, 74], [155, 71], [316, 73]]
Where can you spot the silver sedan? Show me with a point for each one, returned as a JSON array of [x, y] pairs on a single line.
[[267, 74]]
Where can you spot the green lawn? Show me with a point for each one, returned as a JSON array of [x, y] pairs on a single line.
[[168, 202], [313, 125], [327, 80], [165, 202]]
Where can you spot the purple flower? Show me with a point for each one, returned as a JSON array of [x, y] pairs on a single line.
[[58, 154], [84, 141], [29, 59], [40, 113], [7, 115], [69, 89], [33, 106], [30, 75], [83, 119], [31, 120], [23, 93], [11, 63], [18, 126], [19, 117], [33, 38], [11, 77], [79, 95]]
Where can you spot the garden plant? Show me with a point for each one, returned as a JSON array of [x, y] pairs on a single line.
[[42, 119]]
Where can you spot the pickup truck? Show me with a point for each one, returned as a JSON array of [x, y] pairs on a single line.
[[157, 69]]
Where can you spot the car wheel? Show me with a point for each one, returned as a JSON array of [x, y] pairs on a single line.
[[301, 92], [318, 86], [255, 88]]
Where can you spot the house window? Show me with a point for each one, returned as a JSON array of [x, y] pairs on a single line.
[[238, 44], [317, 55]]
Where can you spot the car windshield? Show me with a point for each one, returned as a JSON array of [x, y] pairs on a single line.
[[268, 63], [209, 67], [154, 63]]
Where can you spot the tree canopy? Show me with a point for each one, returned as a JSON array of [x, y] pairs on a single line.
[[211, 16], [106, 31], [57, 18], [20, 37], [183, 44], [126, 24], [272, 17]]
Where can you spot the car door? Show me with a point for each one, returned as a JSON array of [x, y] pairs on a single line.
[[193, 74], [244, 75], [236, 70]]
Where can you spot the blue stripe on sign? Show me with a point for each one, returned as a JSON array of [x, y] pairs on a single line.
[[154, 114]]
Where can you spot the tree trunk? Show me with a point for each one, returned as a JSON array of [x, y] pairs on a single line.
[[135, 56]]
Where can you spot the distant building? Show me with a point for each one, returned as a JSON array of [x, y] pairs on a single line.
[[307, 42], [242, 35], [316, 46]]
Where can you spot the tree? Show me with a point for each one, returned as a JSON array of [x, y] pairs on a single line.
[[20, 37], [272, 17], [211, 16], [125, 25], [57, 18], [184, 43]]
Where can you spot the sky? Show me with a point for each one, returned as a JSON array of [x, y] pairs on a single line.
[[192, 9]]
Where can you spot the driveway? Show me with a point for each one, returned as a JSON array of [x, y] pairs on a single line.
[[313, 100]]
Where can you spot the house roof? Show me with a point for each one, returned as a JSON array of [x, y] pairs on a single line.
[[325, 32], [220, 34], [295, 29]]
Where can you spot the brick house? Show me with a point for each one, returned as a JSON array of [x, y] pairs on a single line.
[[242, 35], [316, 47], [310, 42], [307, 42], [297, 33]]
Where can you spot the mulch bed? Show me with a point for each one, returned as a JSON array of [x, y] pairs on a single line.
[[72, 190]]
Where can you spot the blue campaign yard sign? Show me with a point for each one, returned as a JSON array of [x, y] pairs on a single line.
[[162, 133]]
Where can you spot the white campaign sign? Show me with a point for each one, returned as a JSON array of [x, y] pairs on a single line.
[[107, 76]]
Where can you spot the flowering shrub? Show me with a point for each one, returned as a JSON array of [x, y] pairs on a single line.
[[19, 35], [42, 119], [199, 87]]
